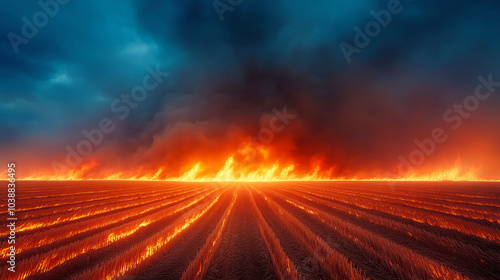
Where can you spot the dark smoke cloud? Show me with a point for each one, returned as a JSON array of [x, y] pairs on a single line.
[[227, 76]]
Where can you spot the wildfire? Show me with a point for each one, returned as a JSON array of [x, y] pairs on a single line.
[[74, 174], [233, 170]]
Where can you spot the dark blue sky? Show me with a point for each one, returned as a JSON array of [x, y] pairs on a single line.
[[225, 75]]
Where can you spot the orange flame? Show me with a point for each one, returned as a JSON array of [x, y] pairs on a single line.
[[233, 170]]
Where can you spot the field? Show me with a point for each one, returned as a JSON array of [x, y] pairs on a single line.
[[245, 230]]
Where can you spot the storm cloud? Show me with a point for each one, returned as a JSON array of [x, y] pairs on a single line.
[[226, 77]]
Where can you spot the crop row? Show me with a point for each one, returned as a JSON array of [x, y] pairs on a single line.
[[417, 215], [387, 253], [44, 262]]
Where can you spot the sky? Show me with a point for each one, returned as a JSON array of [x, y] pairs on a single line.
[[347, 87]]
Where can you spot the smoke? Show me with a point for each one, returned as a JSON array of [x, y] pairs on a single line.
[[227, 78]]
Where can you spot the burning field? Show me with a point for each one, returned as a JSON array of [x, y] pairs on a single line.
[[233, 139], [255, 230]]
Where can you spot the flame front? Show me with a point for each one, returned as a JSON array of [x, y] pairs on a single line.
[[233, 170]]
